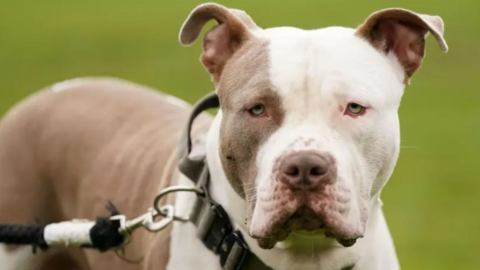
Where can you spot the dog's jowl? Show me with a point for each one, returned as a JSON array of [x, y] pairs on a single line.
[[306, 138]]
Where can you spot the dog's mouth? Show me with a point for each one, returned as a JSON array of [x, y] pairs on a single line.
[[303, 222]]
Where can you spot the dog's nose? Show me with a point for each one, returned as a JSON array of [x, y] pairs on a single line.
[[304, 169]]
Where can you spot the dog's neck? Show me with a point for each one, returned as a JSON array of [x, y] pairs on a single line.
[[223, 193]]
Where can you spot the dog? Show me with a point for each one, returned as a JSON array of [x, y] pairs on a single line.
[[306, 138]]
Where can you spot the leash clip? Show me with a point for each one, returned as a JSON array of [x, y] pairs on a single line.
[[146, 220], [173, 189]]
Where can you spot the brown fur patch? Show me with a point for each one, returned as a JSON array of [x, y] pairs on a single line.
[[79, 148], [403, 32], [222, 41], [246, 83]]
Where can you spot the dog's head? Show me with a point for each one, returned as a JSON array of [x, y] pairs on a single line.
[[309, 132]]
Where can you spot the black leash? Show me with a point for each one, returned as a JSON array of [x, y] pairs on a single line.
[[23, 235]]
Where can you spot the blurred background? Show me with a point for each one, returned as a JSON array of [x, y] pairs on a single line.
[[432, 200]]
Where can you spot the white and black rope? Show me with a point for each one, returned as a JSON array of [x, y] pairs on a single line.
[[103, 234]]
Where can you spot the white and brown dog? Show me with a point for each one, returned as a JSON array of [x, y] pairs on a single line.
[[306, 138]]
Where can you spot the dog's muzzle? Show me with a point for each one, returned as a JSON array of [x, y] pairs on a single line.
[[306, 196]]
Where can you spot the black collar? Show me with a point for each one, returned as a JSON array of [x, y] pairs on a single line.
[[213, 224]]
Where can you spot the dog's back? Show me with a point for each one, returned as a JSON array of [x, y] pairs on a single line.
[[67, 150]]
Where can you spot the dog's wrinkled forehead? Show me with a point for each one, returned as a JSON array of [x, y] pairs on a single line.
[[309, 68]]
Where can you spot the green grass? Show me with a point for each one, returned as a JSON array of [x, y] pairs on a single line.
[[431, 201]]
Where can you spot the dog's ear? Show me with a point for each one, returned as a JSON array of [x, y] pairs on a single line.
[[402, 32], [220, 43]]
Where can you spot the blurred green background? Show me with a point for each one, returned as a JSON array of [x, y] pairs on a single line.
[[432, 201]]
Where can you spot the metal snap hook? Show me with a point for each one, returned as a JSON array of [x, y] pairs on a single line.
[[172, 190], [147, 220], [153, 226]]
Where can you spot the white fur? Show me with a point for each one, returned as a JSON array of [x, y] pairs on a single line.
[[317, 72]]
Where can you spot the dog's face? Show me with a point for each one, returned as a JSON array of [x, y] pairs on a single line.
[[309, 132]]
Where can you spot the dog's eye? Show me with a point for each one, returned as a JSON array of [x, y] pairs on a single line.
[[258, 110], [355, 109]]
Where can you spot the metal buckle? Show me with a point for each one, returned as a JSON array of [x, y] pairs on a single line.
[[215, 228], [233, 252]]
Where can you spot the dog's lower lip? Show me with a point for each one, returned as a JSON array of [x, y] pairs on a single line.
[[346, 242], [267, 243]]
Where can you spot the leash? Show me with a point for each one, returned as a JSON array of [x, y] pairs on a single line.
[[214, 227], [103, 234]]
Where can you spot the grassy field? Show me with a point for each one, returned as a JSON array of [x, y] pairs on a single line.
[[431, 201]]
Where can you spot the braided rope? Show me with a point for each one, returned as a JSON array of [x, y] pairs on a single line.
[[23, 235], [103, 235]]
